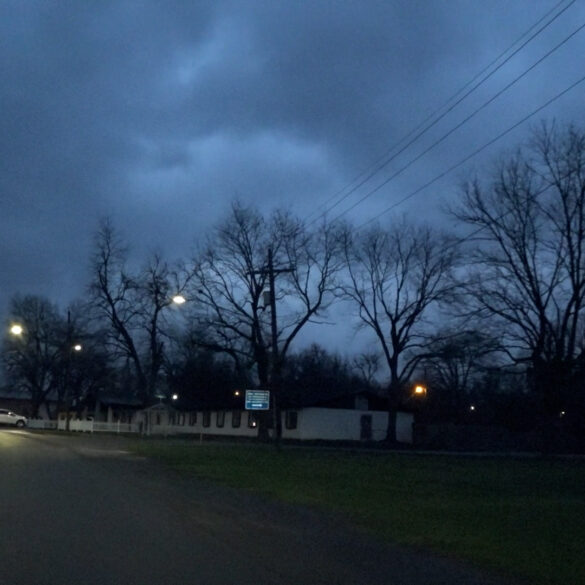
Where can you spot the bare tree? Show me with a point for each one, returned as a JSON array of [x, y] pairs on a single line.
[[393, 278], [32, 355], [317, 374], [229, 284], [132, 304], [528, 272], [232, 278], [456, 363], [53, 358], [368, 365]]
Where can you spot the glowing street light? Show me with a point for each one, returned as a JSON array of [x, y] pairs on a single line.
[[16, 329], [420, 390], [179, 299], [77, 347]]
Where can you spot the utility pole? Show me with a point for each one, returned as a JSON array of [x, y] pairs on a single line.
[[275, 361], [69, 349], [68, 342], [275, 367]]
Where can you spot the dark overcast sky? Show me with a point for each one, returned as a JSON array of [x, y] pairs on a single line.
[[161, 113]]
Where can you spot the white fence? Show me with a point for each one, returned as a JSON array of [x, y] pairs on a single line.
[[33, 423], [89, 426]]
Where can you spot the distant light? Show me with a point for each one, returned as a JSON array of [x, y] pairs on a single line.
[[16, 330], [420, 390], [175, 396], [77, 347], [562, 413], [179, 299], [472, 407], [237, 393]]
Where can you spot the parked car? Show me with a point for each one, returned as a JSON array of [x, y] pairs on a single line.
[[10, 418]]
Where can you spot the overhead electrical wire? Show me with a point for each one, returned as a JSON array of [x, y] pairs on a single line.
[[476, 152], [478, 230], [460, 124], [378, 166]]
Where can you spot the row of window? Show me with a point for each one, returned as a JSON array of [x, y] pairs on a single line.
[[181, 419]]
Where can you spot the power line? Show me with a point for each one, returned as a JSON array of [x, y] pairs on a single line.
[[478, 230], [476, 152], [385, 161], [429, 126], [460, 124]]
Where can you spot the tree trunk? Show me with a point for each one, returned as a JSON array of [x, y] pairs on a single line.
[[392, 404]]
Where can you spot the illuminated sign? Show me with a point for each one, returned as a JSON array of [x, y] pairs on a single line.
[[257, 399]]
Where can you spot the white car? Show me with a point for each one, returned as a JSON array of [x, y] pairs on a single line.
[[10, 418]]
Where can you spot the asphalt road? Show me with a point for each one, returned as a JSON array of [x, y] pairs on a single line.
[[86, 511]]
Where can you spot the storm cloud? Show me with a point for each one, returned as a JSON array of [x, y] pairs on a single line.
[[159, 114]]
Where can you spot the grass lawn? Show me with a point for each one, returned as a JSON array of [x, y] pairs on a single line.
[[525, 517]]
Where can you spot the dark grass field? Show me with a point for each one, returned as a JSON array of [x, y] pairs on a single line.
[[522, 516]]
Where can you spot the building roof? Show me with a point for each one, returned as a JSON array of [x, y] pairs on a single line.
[[328, 399]]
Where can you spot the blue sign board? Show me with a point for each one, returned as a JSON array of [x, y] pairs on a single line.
[[257, 399]]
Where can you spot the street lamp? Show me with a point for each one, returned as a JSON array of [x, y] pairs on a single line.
[[16, 329], [73, 348], [179, 299]]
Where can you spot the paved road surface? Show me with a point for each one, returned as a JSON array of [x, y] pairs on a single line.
[[85, 511]]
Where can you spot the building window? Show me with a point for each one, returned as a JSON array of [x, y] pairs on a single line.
[[366, 427], [236, 419], [252, 420], [206, 419], [192, 419], [220, 419], [291, 419]]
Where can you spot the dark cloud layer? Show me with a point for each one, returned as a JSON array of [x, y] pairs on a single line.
[[160, 113]]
